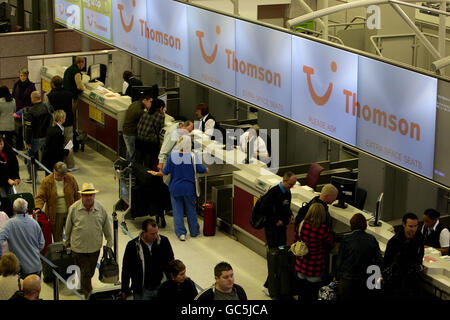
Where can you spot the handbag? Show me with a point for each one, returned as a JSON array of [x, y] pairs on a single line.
[[109, 269], [197, 183], [299, 248]]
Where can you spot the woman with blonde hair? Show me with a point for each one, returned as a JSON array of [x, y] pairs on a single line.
[[319, 240], [54, 149], [9, 275], [182, 187]]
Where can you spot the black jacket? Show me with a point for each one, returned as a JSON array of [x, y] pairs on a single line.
[[304, 210], [69, 80], [406, 254], [357, 251], [276, 206], [137, 258], [132, 82], [170, 290], [37, 120], [208, 294], [54, 147], [9, 169], [432, 239], [60, 98]]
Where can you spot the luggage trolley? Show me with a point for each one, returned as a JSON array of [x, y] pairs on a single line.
[[124, 175]]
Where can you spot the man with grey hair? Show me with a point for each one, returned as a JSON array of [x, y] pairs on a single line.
[[36, 120], [171, 137], [25, 239]]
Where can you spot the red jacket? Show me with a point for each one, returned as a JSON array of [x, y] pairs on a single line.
[[319, 241]]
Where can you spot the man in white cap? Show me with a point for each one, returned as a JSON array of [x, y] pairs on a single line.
[[86, 223]]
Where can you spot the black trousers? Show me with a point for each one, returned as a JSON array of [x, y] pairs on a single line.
[[147, 153]]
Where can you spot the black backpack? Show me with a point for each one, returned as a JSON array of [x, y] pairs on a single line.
[[258, 217], [301, 213]]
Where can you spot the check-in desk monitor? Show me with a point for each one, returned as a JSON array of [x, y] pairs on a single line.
[[95, 72], [346, 190]]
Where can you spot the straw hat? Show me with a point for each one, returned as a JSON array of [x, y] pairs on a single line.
[[87, 188]]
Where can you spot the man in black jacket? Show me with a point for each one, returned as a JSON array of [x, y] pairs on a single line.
[[276, 206], [403, 260], [37, 120], [327, 196], [145, 261], [60, 98]]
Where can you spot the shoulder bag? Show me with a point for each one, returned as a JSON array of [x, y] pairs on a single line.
[[197, 183], [299, 248]]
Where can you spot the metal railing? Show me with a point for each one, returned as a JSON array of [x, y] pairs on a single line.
[[318, 34], [376, 41], [34, 162]]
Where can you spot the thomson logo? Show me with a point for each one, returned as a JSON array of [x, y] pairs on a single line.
[[319, 100], [127, 27], [208, 58]]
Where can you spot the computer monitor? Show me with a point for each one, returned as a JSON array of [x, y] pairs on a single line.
[[378, 212], [138, 91], [346, 190], [95, 72]]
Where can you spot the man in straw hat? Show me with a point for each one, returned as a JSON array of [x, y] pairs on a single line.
[[86, 221]]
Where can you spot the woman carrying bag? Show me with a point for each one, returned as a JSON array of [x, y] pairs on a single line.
[[182, 187]]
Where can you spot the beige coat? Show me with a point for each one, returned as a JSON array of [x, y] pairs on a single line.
[[47, 195]]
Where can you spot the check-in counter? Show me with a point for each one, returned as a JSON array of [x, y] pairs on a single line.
[[251, 181], [101, 112]]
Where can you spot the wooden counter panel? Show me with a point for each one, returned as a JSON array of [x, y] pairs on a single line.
[[106, 134], [242, 210]]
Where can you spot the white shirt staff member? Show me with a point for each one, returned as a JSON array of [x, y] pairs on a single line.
[[207, 123], [251, 139], [435, 234]]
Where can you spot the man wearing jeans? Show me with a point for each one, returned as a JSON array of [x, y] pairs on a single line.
[[37, 120], [86, 223], [134, 113], [145, 261]]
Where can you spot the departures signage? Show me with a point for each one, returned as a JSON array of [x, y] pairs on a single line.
[[384, 110]]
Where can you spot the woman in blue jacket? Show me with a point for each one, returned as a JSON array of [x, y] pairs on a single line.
[[182, 186]]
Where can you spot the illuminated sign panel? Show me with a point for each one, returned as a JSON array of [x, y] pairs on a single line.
[[396, 115], [320, 76], [211, 35], [166, 32], [262, 64]]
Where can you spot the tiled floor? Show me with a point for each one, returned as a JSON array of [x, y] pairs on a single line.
[[200, 255]]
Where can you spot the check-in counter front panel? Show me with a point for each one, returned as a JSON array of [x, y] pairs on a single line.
[[104, 128]]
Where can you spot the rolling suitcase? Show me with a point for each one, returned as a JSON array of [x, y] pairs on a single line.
[[281, 269], [58, 255], [209, 219]]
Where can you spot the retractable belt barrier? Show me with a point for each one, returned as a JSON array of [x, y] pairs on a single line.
[[55, 281]]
